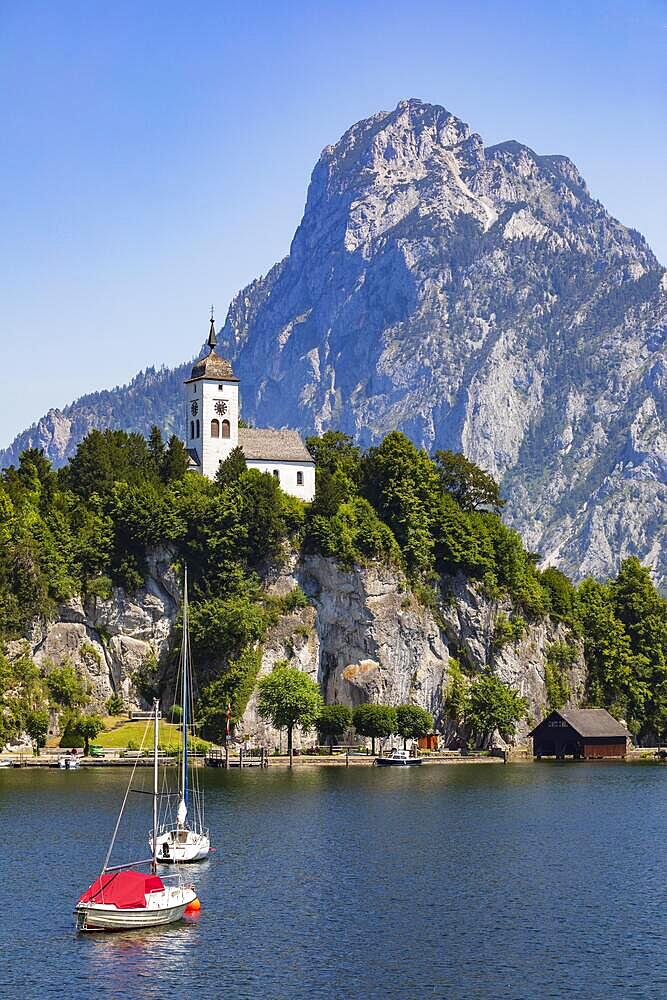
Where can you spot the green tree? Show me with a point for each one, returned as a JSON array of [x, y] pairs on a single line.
[[643, 612], [471, 487], [175, 461], [156, 449], [455, 701], [333, 721], [288, 697], [401, 483], [37, 726], [376, 721], [232, 687], [233, 467], [562, 595], [617, 678], [494, 705], [558, 660], [222, 628], [353, 534], [412, 721], [82, 729], [66, 685], [335, 453]]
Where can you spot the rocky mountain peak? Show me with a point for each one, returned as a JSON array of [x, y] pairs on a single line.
[[475, 298]]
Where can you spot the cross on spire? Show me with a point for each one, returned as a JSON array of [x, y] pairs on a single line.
[[212, 339]]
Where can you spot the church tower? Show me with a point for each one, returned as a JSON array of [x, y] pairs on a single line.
[[211, 410]]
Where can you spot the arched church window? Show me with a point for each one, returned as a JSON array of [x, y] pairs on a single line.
[[299, 479], [215, 428], [198, 429], [192, 428], [226, 430]]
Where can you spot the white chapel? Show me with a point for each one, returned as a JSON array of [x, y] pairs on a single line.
[[212, 429]]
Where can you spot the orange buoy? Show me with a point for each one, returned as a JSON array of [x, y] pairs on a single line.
[[193, 907]]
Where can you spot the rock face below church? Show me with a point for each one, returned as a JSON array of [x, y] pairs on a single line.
[[476, 298], [363, 638]]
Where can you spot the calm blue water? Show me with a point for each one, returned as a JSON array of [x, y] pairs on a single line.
[[458, 882]]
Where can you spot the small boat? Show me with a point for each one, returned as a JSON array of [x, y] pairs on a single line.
[[68, 763], [6, 762], [183, 838], [398, 758], [124, 898]]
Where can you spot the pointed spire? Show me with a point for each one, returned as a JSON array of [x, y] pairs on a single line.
[[212, 339]]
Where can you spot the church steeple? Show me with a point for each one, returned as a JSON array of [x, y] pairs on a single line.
[[212, 339]]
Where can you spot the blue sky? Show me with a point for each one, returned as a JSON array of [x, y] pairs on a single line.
[[156, 155]]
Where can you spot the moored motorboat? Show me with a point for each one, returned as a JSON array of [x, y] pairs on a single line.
[[398, 758], [68, 763], [124, 898]]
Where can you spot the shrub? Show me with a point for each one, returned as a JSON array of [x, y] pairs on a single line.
[[494, 705], [506, 630], [115, 705]]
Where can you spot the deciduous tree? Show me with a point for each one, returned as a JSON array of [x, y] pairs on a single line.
[[288, 697]]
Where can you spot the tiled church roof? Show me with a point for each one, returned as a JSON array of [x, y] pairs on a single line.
[[273, 446]]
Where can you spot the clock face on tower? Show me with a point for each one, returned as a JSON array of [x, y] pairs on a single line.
[[194, 409], [221, 407]]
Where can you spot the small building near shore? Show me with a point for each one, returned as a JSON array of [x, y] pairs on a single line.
[[429, 742], [582, 733]]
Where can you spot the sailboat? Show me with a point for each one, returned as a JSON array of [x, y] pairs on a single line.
[[124, 898], [184, 838]]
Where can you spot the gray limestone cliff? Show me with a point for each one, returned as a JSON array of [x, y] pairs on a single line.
[[110, 640], [477, 298], [363, 637]]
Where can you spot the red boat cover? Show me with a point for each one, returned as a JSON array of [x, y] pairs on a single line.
[[126, 890]]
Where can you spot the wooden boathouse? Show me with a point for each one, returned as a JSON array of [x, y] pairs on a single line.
[[581, 733]]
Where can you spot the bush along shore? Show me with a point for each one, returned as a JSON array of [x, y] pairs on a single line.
[[77, 539]]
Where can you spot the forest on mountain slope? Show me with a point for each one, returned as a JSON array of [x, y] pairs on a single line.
[[87, 527]]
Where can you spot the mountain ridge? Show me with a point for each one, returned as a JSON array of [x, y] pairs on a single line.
[[477, 298]]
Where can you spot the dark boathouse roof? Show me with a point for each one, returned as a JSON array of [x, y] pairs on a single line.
[[589, 722]]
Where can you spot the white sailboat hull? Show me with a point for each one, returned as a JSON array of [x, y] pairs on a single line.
[[164, 907], [180, 846]]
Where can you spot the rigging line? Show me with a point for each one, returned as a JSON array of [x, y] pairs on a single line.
[[185, 687], [122, 808]]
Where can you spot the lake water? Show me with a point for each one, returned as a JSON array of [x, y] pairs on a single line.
[[463, 882]]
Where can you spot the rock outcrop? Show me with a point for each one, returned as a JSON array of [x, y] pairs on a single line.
[[478, 299], [364, 638], [110, 640]]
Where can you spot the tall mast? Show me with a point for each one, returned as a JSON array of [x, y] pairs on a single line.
[[156, 716], [186, 644]]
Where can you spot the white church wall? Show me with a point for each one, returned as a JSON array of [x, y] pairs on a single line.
[[287, 476], [213, 450]]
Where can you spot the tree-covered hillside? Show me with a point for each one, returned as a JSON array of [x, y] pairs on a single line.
[[88, 527]]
